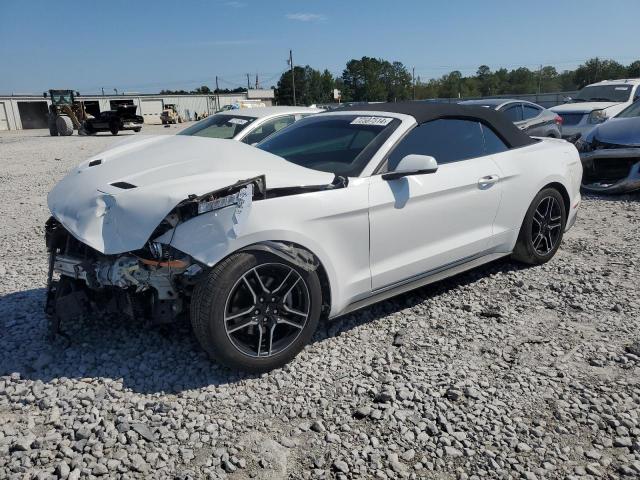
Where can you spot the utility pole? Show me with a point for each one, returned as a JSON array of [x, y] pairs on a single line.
[[413, 80], [539, 79], [293, 80], [257, 84], [217, 95]]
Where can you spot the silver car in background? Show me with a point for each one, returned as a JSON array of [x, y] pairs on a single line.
[[595, 104], [531, 118], [248, 125]]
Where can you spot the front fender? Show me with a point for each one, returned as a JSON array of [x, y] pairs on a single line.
[[333, 225]]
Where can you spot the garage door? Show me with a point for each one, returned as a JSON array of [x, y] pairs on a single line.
[[4, 121], [151, 110], [33, 114]]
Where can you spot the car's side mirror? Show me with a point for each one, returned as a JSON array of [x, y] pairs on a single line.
[[566, 99], [412, 165]]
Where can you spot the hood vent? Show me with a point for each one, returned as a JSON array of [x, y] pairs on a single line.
[[123, 185], [93, 163]]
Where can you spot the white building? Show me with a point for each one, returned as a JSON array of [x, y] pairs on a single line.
[[30, 111]]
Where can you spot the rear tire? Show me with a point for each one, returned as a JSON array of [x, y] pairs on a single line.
[[542, 229], [64, 125], [51, 121], [246, 315]]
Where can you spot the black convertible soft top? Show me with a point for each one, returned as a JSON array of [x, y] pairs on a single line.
[[425, 112]]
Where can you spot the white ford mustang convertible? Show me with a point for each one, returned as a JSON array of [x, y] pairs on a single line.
[[331, 214]]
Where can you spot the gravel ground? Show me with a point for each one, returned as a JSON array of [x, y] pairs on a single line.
[[504, 372]]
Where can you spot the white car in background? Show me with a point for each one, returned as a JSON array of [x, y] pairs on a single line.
[[334, 213], [248, 125], [595, 104]]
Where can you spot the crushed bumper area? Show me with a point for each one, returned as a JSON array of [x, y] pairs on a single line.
[[614, 170], [150, 284]]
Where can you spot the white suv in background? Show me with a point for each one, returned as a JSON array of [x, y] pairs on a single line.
[[595, 104]]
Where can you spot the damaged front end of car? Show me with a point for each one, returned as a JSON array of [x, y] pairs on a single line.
[[153, 283], [138, 284], [610, 168]]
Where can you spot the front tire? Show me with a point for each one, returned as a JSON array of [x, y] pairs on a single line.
[[542, 229], [64, 126], [255, 311]]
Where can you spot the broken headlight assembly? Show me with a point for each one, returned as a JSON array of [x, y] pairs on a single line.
[[241, 194], [597, 116]]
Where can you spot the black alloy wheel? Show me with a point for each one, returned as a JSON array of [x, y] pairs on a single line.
[[255, 311], [542, 228], [266, 310], [547, 224]]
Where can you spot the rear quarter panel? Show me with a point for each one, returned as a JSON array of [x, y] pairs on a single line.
[[524, 172]]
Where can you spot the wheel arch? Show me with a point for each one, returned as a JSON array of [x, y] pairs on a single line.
[[298, 255], [564, 193]]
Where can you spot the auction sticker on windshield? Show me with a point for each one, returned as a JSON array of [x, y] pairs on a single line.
[[238, 121], [382, 121]]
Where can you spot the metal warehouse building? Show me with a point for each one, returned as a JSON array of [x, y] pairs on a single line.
[[30, 111]]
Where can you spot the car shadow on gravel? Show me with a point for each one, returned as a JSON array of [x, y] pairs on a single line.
[[379, 311], [152, 359]]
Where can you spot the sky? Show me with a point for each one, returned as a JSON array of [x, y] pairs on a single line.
[[145, 46]]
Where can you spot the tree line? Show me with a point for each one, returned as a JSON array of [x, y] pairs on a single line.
[[374, 79], [203, 90]]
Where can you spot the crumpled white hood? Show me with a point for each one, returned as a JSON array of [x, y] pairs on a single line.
[[165, 171]]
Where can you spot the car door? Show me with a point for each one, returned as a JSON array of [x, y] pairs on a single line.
[[422, 223], [102, 121]]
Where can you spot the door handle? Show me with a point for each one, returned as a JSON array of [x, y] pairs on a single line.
[[488, 180]]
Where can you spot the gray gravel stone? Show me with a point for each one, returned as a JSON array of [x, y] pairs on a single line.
[[341, 466], [502, 372]]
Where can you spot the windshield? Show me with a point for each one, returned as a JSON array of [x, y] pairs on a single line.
[[338, 144], [604, 93], [218, 126], [632, 110], [61, 98]]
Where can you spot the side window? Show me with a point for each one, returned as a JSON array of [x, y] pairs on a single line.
[[447, 140], [492, 142], [530, 112], [637, 97], [514, 112], [267, 128]]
